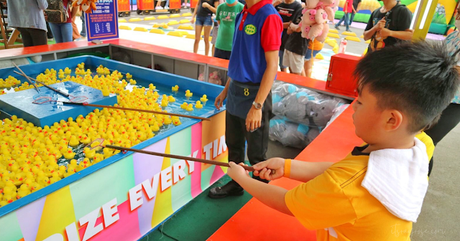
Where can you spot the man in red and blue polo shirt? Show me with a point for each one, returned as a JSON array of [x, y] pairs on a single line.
[[252, 69]]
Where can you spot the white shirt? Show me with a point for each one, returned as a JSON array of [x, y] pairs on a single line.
[[27, 13]]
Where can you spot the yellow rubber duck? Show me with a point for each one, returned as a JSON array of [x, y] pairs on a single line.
[[167, 120], [171, 99], [128, 76], [133, 82], [176, 121], [204, 99], [175, 88], [184, 105], [105, 92], [152, 87], [67, 71], [69, 154], [155, 127], [198, 105], [54, 178], [74, 141], [189, 107], [89, 153], [23, 191], [164, 102], [188, 94], [80, 66]]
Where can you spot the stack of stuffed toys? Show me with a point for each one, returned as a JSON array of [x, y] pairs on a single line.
[[301, 114]]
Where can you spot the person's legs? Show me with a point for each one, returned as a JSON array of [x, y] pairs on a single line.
[[258, 139], [352, 16], [198, 28], [38, 37], [26, 37], [340, 22], [281, 55], [207, 32], [346, 22], [56, 30], [235, 141], [66, 32]]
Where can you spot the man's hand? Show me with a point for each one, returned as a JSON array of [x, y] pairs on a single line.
[[253, 119], [219, 102], [385, 33], [270, 169], [46, 16], [205, 5], [236, 172]]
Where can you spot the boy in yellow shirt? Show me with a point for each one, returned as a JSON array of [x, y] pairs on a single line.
[[377, 191]]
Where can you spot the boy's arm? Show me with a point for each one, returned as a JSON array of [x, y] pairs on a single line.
[[403, 35], [276, 167], [270, 195]]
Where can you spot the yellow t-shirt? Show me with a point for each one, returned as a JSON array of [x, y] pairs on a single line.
[[339, 208]]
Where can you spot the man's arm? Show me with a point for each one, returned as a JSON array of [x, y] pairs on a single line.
[[403, 35], [42, 4]]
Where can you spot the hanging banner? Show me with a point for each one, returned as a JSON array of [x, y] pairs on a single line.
[[102, 23]]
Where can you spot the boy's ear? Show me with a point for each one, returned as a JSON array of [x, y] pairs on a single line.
[[394, 119]]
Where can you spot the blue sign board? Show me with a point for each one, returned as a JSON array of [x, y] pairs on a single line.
[[102, 23]]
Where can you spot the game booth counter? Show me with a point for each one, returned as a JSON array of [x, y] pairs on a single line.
[[127, 195]]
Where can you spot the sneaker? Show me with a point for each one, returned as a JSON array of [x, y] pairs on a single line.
[[337, 27], [159, 8], [166, 7]]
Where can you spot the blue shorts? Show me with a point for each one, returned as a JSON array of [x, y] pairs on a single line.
[[308, 54], [203, 20]]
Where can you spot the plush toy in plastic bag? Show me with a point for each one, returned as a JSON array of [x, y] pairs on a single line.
[[278, 93], [320, 112], [291, 134]]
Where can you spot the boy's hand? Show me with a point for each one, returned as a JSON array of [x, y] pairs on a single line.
[[384, 33], [270, 169], [219, 102], [236, 172], [381, 24]]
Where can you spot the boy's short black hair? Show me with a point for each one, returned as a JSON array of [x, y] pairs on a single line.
[[419, 79]]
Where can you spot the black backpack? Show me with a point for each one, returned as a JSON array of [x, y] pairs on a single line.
[[57, 11]]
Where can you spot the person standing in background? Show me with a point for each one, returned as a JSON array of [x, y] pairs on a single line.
[[83, 25], [62, 32], [225, 16], [28, 18], [286, 10], [347, 9], [388, 25], [314, 47], [356, 5], [203, 13]]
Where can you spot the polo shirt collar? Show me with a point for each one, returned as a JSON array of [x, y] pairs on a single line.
[[253, 10]]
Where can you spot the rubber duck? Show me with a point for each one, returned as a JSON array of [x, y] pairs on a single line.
[[128, 76], [184, 105], [67, 71], [69, 154], [80, 66], [155, 127], [55, 178], [175, 88], [188, 94], [198, 105], [152, 87], [105, 92], [23, 191], [167, 120], [204, 99], [132, 82], [9, 198], [61, 171], [176, 121], [164, 102], [89, 153], [189, 107], [74, 141]]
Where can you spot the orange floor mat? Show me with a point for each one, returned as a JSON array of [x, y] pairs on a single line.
[[255, 221]]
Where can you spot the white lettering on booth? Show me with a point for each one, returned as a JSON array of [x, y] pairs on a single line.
[[178, 171], [151, 186], [109, 211], [72, 232], [166, 178], [135, 197], [217, 147], [90, 219]]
